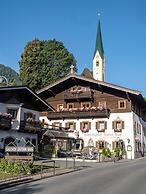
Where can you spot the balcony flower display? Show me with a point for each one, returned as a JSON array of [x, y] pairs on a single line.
[[93, 108], [32, 121], [84, 130], [5, 116]]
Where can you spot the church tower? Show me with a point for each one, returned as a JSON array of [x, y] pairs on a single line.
[[98, 58]]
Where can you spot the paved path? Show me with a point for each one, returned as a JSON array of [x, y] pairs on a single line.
[[107, 178]]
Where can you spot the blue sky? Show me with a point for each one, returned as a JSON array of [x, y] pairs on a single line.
[[74, 22]]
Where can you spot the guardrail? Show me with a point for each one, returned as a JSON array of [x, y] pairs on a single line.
[[43, 163]]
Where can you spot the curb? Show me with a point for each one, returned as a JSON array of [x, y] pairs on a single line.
[[28, 179]]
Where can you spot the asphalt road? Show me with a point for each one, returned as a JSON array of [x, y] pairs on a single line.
[[107, 178]]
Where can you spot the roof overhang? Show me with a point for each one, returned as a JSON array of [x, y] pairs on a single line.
[[24, 95]]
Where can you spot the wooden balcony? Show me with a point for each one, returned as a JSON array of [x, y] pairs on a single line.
[[78, 114], [79, 95], [33, 126], [5, 123]]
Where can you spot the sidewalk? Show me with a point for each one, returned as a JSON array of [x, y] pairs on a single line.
[[29, 178]]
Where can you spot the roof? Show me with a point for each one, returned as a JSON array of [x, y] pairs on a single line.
[[73, 79], [136, 92], [99, 44], [23, 95], [87, 73]]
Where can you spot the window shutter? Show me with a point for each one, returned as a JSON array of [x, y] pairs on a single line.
[[113, 125], [105, 124], [97, 125], [123, 125], [60, 124], [81, 126], [113, 145], [74, 126], [97, 144], [89, 125], [66, 125]]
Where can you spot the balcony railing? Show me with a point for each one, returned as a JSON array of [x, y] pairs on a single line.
[[78, 95], [79, 113], [33, 126], [5, 123]]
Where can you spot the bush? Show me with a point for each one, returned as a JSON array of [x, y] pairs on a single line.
[[16, 167], [106, 152], [117, 152]]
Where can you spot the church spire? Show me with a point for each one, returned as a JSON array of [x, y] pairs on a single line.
[[99, 44], [98, 58]]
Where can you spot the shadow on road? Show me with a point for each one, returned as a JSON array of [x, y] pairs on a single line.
[[23, 189]]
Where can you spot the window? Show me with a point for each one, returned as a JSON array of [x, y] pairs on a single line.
[[122, 104], [102, 104], [29, 115], [97, 63], [70, 105], [71, 126], [85, 126], [56, 125], [13, 112], [101, 144], [118, 125], [134, 128], [101, 126], [115, 144], [85, 105], [59, 106]]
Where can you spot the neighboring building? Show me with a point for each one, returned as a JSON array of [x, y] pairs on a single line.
[[20, 110], [103, 115]]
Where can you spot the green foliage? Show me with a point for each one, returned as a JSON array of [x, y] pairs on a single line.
[[117, 152], [44, 62], [50, 150], [11, 75], [106, 152], [17, 167]]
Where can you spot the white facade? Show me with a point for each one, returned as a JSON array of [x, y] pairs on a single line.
[[14, 133], [109, 135]]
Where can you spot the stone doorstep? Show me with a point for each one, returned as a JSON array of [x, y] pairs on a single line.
[[31, 178]]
